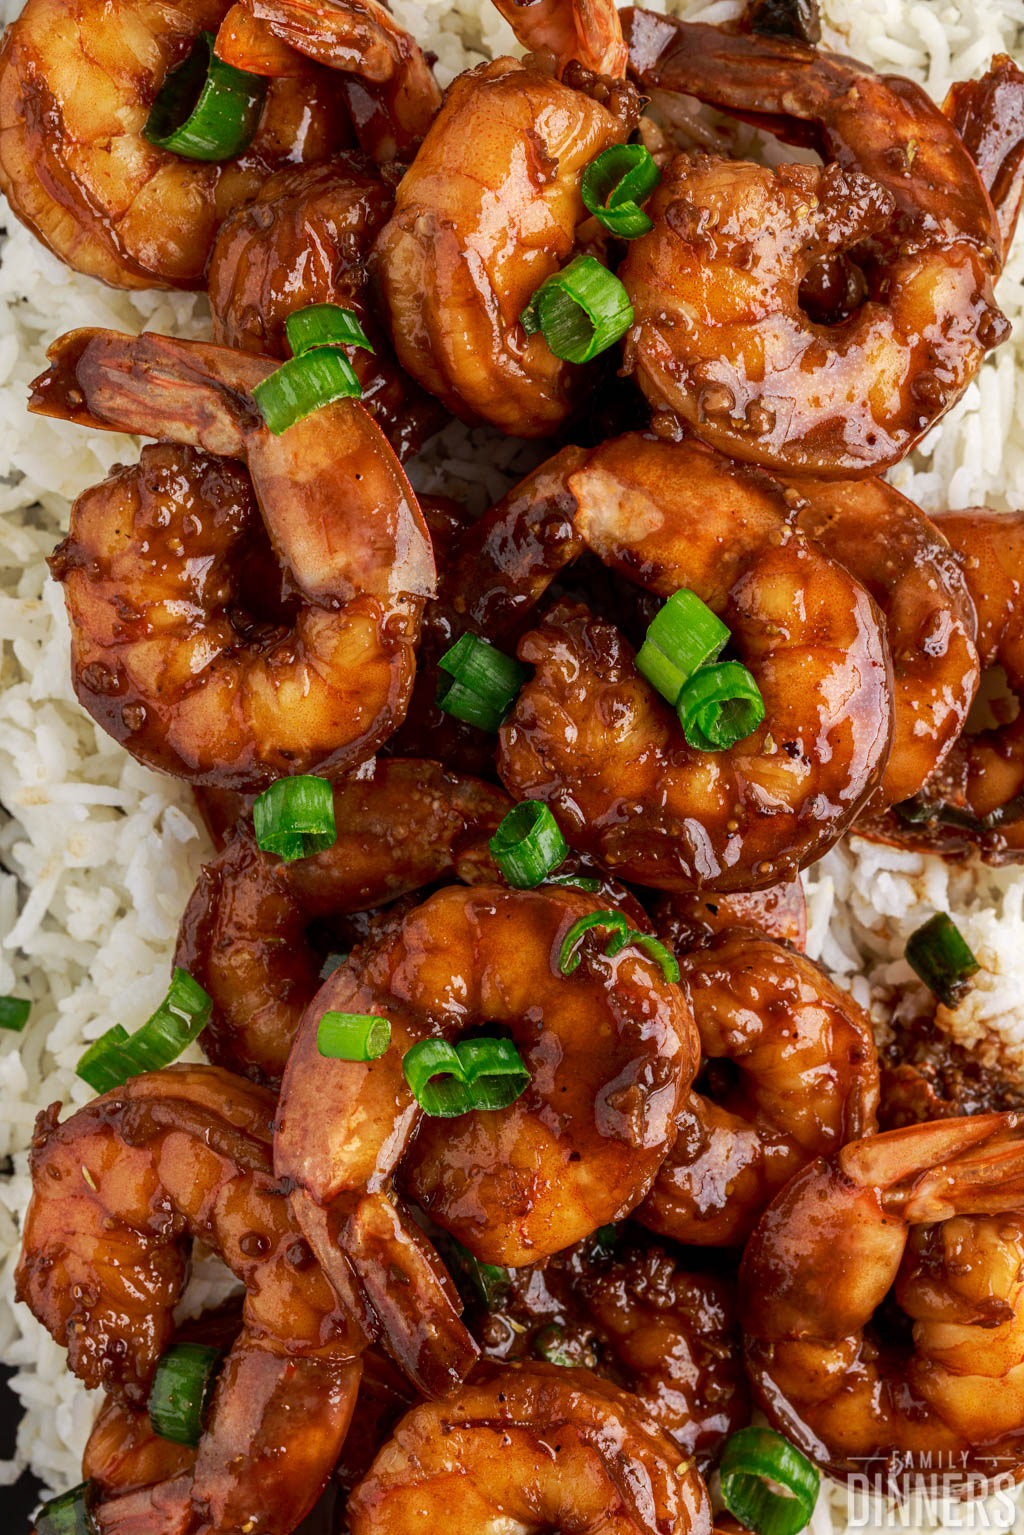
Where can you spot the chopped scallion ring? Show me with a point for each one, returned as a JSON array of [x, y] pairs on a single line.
[[940, 954], [490, 1281], [118, 1055], [683, 635], [582, 310], [607, 1237], [294, 818], [657, 951], [352, 1036], [436, 1078], [616, 184], [324, 325], [14, 1013], [206, 109], [719, 706], [305, 384], [756, 1462], [494, 1072], [528, 844], [585, 882], [549, 1344], [70, 1514], [480, 684], [571, 952], [181, 1391]]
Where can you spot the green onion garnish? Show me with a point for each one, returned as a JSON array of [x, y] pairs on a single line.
[[294, 818], [70, 1514], [304, 384], [490, 1281], [324, 325], [683, 635], [608, 1237], [448, 1080], [616, 184], [181, 1391], [14, 1013], [586, 882], [621, 934], [756, 1462], [118, 1055], [940, 954], [719, 706], [549, 1345], [582, 310], [480, 684], [352, 1036], [528, 845], [206, 109]]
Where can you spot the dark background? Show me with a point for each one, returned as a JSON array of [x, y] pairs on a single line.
[[18, 1502]]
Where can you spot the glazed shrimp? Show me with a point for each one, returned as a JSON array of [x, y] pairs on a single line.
[[593, 740], [530, 1447], [908, 567], [245, 932], [586, 32], [688, 922], [931, 1215], [988, 114], [815, 321], [119, 1189], [790, 1073], [610, 1049], [304, 239], [487, 211], [166, 656], [77, 81]]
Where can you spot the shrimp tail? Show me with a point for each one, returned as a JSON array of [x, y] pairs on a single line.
[[988, 114], [970, 1166]]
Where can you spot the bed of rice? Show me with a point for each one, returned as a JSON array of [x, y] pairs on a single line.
[[97, 855]]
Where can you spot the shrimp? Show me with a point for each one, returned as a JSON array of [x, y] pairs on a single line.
[[931, 1216], [304, 239], [592, 739], [119, 1189], [245, 932], [814, 321], [610, 1049], [636, 1317], [790, 1073], [488, 210], [526, 1447], [166, 655], [908, 567], [77, 80], [988, 114], [687, 922], [585, 32]]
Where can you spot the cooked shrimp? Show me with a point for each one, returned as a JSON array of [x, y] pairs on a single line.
[[816, 321], [906, 564], [304, 239], [790, 1073], [688, 922], [988, 114], [638, 1318], [522, 1448], [77, 80], [488, 210], [591, 738], [610, 1049], [586, 32], [245, 933], [931, 1215], [166, 656], [119, 1189]]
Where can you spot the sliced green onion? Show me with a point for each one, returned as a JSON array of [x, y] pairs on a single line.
[[719, 706], [490, 1281], [608, 1237], [304, 384], [616, 184], [206, 109], [70, 1514], [582, 310], [528, 844], [181, 1391], [480, 684], [352, 1036], [14, 1013], [549, 1345], [294, 818], [940, 954], [118, 1055], [571, 951], [585, 882], [756, 1462], [657, 951], [683, 635], [324, 325], [436, 1078], [494, 1072]]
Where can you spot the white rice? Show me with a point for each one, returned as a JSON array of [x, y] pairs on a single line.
[[103, 853]]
